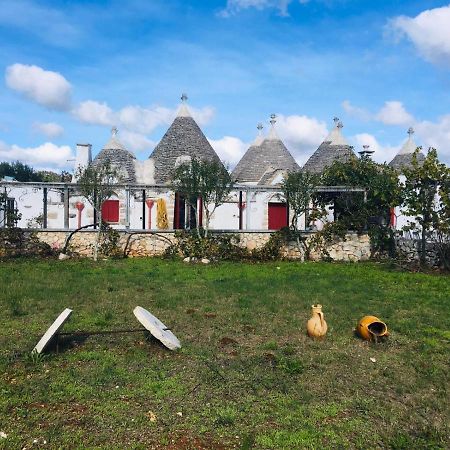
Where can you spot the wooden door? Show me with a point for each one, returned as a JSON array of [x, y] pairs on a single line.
[[278, 216], [110, 211]]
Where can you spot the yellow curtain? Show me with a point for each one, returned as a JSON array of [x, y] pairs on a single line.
[[161, 214]]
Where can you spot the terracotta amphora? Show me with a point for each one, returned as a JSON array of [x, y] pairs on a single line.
[[371, 328], [316, 326]]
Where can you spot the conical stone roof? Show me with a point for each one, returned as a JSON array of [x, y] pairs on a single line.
[[403, 159], [119, 157], [333, 148], [269, 154], [183, 139]]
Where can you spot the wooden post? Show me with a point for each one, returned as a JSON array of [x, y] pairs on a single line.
[[143, 209], [66, 207], [44, 222], [127, 207]]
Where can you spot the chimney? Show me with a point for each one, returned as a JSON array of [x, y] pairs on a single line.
[[82, 159]]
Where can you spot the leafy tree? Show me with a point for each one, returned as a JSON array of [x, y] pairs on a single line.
[[299, 191], [357, 213], [208, 180], [427, 199], [96, 184], [19, 171]]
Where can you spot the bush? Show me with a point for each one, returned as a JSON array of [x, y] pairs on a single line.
[[222, 247]]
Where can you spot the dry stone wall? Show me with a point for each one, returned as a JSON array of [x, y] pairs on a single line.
[[137, 244]]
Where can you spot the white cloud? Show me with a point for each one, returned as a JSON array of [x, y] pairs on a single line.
[[355, 111], [134, 118], [235, 6], [301, 134], [47, 155], [49, 129], [230, 149], [94, 113], [136, 142], [383, 153], [45, 87], [394, 113], [429, 31], [435, 134]]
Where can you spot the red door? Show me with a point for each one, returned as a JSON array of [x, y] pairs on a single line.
[[110, 211], [277, 216]]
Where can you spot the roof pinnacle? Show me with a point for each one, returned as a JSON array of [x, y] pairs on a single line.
[[260, 127], [273, 119], [410, 131], [114, 131], [184, 97]]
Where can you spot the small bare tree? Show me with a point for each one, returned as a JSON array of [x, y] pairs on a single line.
[[299, 190], [96, 184], [208, 180]]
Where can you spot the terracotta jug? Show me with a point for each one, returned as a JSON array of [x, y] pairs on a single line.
[[316, 326]]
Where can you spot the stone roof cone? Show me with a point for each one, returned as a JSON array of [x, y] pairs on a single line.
[[269, 154], [403, 159], [334, 148], [118, 156], [183, 140]]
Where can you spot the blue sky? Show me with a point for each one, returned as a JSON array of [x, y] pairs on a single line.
[[72, 69]]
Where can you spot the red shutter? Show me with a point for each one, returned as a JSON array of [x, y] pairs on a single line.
[[110, 211], [277, 216]]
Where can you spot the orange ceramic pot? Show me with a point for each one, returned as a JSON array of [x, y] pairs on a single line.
[[316, 326], [370, 328]]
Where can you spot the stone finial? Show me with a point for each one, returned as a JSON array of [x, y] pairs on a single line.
[[260, 127], [273, 119], [340, 124], [366, 147], [184, 98], [114, 131], [410, 131], [336, 120]]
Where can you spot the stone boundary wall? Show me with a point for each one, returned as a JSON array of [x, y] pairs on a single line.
[[409, 249], [140, 244]]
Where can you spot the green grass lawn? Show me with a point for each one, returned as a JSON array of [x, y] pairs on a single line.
[[247, 375]]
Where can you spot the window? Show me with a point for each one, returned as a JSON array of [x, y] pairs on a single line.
[[110, 211]]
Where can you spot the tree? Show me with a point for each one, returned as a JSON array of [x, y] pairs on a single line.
[[96, 184], [207, 180], [19, 171], [299, 191], [372, 213], [426, 198]]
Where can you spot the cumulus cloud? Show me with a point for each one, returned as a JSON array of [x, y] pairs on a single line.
[[94, 113], [47, 155], [49, 129], [383, 153], [47, 88], [136, 142], [134, 118], [435, 134], [355, 111], [429, 32], [230, 149], [394, 113], [301, 134]]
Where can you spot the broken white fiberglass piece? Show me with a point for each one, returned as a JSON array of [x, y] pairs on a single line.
[[50, 333], [156, 328]]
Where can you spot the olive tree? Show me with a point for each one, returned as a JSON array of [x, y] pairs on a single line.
[[208, 180], [426, 192], [96, 184], [299, 189]]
